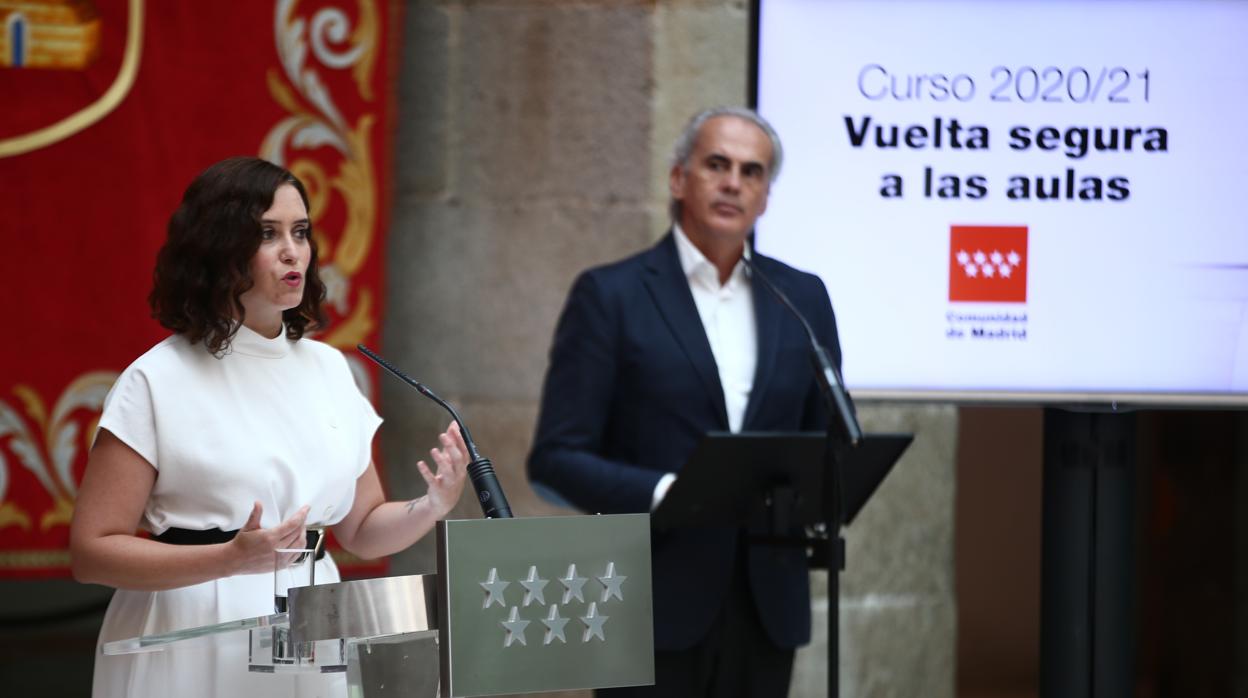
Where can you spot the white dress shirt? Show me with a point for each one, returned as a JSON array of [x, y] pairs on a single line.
[[727, 313]]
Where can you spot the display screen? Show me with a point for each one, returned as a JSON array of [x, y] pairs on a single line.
[[1020, 200]]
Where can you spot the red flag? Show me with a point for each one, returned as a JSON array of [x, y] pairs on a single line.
[[988, 263]]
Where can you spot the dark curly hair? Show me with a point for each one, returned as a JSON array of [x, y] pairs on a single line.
[[203, 269]]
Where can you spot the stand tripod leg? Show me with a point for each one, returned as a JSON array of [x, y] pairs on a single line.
[[836, 564]]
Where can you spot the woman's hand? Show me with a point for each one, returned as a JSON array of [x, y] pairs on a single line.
[[252, 549], [375, 527], [447, 483]]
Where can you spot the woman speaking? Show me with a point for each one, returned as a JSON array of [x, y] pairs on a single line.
[[229, 439]]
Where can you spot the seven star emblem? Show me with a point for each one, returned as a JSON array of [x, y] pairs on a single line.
[[534, 586]]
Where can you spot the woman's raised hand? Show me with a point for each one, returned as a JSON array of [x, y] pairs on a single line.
[[447, 483], [253, 546]]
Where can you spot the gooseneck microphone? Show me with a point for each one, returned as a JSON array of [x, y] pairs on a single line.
[[833, 387], [480, 470]]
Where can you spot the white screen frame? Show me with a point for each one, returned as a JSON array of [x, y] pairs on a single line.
[[1224, 276]]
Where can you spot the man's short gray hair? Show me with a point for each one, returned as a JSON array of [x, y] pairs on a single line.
[[688, 138]]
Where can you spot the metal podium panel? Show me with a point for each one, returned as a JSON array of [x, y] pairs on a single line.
[[394, 666], [363, 608], [545, 604]]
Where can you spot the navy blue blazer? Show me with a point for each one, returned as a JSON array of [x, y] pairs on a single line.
[[632, 388]]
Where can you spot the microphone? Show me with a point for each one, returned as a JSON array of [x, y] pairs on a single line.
[[480, 470], [830, 382]]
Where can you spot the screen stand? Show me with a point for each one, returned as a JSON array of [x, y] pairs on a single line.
[[1087, 644]]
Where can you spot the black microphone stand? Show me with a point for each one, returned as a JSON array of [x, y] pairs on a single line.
[[843, 434], [480, 469]]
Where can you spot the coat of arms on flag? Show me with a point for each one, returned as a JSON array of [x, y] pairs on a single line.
[[988, 263]]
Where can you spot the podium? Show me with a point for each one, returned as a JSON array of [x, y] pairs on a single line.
[[788, 489], [732, 477], [516, 606]]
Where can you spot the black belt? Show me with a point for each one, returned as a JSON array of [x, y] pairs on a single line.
[[211, 536]]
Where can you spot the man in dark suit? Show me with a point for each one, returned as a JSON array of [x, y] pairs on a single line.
[[652, 352]]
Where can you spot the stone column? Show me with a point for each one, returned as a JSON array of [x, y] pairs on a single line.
[[523, 130]]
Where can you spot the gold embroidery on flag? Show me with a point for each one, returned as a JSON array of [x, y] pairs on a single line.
[[305, 47], [50, 458]]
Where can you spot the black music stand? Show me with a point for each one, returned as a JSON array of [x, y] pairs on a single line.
[[732, 479]]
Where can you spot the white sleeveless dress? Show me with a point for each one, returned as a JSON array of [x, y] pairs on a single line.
[[273, 421]]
